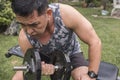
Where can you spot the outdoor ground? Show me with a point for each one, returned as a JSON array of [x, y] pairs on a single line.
[[108, 29]]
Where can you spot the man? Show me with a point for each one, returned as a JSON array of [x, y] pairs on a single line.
[[56, 27]]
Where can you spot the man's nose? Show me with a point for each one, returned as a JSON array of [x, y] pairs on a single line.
[[29, 30]]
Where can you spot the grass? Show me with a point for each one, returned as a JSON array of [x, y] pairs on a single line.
[[6, 71], [106, 28]]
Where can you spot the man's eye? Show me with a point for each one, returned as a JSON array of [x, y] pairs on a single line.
[[34, 25]]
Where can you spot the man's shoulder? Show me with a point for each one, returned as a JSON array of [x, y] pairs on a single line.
[[67, 13], [23, 38]]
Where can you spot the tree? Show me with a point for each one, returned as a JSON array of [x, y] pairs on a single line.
[[6, 14]]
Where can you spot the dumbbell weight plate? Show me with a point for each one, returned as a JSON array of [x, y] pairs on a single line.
[[32, 60]]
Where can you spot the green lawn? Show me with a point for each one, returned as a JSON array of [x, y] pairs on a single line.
[[106, 28]]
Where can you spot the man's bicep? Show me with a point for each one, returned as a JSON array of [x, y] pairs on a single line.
[[74, 20]]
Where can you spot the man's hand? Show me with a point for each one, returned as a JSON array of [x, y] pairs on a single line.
[[47, 69], [80, 73]]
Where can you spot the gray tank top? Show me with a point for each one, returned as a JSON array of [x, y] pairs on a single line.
[[63, 39]]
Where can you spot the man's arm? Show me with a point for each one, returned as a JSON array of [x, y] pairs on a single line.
[[23, 41], [83, 28]]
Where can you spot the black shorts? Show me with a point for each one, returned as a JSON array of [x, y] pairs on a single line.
[[78, 60]]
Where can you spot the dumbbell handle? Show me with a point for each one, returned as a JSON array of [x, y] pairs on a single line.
[[24, 68], [20, 68]]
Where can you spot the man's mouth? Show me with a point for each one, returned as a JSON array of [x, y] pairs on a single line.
[[35, 36]]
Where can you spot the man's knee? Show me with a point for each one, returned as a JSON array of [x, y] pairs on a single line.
[[18, 76], [14, 78]]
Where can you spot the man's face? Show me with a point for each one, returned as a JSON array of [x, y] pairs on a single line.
[[34, 24]]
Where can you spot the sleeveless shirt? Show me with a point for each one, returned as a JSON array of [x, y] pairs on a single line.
[[63, 39]]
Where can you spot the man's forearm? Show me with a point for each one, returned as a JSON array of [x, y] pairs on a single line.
[[94, 57]]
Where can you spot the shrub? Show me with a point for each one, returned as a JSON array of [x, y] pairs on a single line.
[[6, 14]]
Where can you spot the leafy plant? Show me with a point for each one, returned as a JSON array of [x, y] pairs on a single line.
[[6, 14]]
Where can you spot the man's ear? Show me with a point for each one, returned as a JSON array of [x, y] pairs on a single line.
[[49, 12]]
